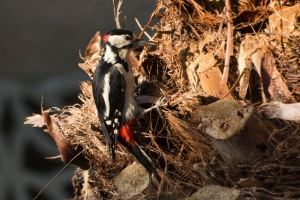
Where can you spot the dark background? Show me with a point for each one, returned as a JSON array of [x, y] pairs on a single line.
[[39, 44]]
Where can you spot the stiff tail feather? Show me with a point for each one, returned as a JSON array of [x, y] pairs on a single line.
[[142, 157], [126, 138], [111, 144]]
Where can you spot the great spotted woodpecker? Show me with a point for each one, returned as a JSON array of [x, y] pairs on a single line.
[[113, 90]]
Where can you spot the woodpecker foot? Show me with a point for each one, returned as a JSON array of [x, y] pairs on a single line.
[[157, 106]]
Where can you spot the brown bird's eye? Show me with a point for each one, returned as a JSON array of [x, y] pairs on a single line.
[[127, 37]]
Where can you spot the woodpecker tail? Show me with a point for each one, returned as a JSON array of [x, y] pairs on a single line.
[[142, 157], [126, 138], [111, 144]]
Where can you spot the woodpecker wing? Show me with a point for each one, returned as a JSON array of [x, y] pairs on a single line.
[[109, 94]]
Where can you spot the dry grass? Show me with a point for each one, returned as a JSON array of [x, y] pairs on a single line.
[[191, 42]]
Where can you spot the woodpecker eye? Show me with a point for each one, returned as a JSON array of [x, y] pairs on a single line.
[[127, 37]]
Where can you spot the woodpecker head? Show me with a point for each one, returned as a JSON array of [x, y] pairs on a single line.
[[118, 43]]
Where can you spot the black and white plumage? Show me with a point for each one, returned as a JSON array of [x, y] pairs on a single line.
[[113, 90], [109, 91]]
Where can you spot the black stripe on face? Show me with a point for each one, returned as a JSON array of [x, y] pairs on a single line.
[[120, 32], [118, 59]]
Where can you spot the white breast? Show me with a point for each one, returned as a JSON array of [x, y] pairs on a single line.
[[131, 108]]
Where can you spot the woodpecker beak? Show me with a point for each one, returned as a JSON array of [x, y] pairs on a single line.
[[142, 43]]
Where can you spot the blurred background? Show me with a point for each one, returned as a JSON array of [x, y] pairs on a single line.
[[39, 44]]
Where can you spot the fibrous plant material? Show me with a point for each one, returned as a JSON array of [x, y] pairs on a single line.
[[187, 67]]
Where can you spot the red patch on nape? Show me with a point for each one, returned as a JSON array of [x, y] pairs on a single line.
[[105, 37], [126, 134]]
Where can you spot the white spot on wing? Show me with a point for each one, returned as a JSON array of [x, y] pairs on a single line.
[[116, 124], [105, 94], [108, 122], [116, 131]]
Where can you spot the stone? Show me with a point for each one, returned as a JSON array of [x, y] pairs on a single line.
[[215, 192], [132, 181]]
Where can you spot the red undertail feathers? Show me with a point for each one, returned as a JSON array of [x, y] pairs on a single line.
[[126, 134]]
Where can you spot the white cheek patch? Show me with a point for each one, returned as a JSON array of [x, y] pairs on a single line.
[[118, 41]]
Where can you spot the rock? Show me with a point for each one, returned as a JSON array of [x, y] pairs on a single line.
[[132, 181], [215, 192]]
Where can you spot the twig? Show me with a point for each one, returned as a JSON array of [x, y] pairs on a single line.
[[194, 30], [280, 34], [138, 63], [138, 23], [220, 26], [132, 59], [229, 46], [276, 12], [117, 12], [150, 20], [233, 86], [56, 175], [53, 157]]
